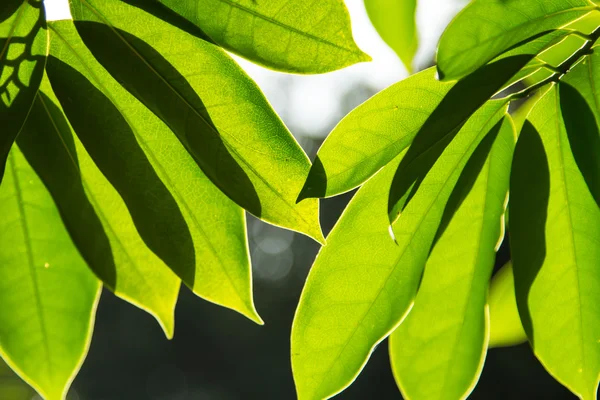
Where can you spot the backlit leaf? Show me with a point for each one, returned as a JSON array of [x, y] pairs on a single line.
[[506, 328]]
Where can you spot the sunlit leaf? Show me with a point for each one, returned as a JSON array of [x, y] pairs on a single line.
[[505, 324], [363, 282], [180, 215], [213, 107], [94, 213], [395, 23], [554, 231], [286, 35], [486, 28], [23, 47], [437, 352], [419, 106], [48, 294]]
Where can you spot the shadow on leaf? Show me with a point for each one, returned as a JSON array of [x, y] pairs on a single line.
[[528, 207], [147, 75], [112, 144]]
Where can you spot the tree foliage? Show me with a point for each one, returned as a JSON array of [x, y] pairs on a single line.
[[132, 145]]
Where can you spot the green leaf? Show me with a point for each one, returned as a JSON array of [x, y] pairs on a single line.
[[213, 107], [48, 294], [505, 324], [485, 29], [437, 352], [395, 23], [362, 283], [379, 129], [181, 216], [554, 231], [93, 212], [286, 35], [23, 47]]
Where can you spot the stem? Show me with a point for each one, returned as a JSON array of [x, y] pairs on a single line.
[[564, 67]]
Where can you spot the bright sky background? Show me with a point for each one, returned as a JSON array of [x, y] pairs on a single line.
[[311, 105]]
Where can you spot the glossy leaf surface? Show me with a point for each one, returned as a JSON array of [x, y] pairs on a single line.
[[485, 29], [437, 352], [23, 47], [180, 215], [363, 282], [287, 35], [48, 294], [555, 226], [395, 23], [214, 108], [506, 328]]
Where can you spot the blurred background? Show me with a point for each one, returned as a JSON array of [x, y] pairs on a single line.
[[217, 354]]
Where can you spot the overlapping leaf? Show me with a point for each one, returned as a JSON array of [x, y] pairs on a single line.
[[505, 324], [180, 215], [487, 28], [555, 230], [213, 107], [48, 294], [23, 47], [286, 35], [395, 23], [362, 283], [437, 352]]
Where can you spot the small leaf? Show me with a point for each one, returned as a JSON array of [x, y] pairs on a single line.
[[505, 324], [213, 107], [48, 295], [437, 352], [286, 35], [181, 216], [484, 29], [362, 283], [93, 212], [23, 47], [554, 231], [420, 106], [395, 23]]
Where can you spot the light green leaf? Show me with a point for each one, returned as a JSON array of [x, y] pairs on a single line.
[[181, 216], [485, 29], [23, 47], [309, 37], [554, 231], [94, 213], [505, 324], [362, 283], [48, 295], [213, 107], [437, 352], [379, 129], [395, 23]]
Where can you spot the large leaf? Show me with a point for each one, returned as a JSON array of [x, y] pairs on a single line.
[[420, 106], [486, 28], [554, 230], [176, 209], [506, 328], [362, 283], [395, 23], [48, 295], [215, 110], [449, 321], [286, 35], [94, 213], [23, 47]]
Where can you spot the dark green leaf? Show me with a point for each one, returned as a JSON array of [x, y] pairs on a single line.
[[23, 47]]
